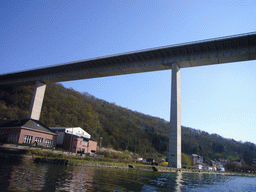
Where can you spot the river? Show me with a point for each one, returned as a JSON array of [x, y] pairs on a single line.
[[29, 176]]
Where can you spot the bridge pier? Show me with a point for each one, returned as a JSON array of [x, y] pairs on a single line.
[[174, 158], [37, 101]]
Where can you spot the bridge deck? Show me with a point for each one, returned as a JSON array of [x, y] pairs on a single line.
[[214, 51]]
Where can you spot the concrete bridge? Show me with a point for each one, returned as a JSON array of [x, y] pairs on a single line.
[[207, 52]]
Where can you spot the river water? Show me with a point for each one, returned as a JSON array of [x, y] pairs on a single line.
[[28, 176]]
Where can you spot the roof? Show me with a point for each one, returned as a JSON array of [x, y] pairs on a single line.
[[63, 128], [72, 130], [3, 121], [27, 124], [195, 155]]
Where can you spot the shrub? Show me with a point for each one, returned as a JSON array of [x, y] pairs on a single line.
[[186, 160]]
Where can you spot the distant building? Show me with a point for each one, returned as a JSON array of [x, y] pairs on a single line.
[[222, 169], [218, 164], [199, 166], [208, 168], [197, 159], [74, 139], [28, 131]]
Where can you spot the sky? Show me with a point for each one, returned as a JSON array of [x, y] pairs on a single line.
[[216, 99]]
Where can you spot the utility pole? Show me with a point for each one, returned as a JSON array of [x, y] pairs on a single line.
[[101, 141]]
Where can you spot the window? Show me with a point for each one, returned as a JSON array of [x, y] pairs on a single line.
[[13, 137], [28, 139], [48, 142], [85, 143], [39, 139]]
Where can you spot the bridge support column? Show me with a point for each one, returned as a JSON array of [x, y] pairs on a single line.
[[37, 100], [174, 158]]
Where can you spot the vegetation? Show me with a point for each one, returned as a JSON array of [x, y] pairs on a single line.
[[186, 160], [121, 128], [41, 153]]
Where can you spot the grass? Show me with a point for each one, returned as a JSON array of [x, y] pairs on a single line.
[[120, 158], [102, 161], [41, 153]]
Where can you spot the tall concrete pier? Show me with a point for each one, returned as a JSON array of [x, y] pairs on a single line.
[[174, 158], [37, 101]]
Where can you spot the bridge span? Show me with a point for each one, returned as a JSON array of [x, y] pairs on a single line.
[[200, 53], [193, 54]]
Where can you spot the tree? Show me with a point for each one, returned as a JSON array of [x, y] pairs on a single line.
[[186, 160], [248, 157]]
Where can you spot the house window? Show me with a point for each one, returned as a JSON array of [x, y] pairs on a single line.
[[13, 137], [48, 142], [28, 139], [85, 143], [39, 139]]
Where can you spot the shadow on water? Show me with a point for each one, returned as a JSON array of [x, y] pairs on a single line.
[[9, 160], [20, 173]]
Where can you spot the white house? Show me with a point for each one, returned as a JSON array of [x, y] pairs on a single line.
[[199, 166], [74, 139], [222, 169], [71, 130], [208, 168]]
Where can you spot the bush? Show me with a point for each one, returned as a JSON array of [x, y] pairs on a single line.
[[114, 155], [186, 160]]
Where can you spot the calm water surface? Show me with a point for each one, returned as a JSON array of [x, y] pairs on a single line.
[[28, 176]]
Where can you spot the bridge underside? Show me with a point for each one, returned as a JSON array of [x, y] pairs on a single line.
[[208, 52], [202, 53]]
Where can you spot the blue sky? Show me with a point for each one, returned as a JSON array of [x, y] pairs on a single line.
[[217, 99]]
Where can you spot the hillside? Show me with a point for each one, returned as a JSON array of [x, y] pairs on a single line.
[[121, 128]]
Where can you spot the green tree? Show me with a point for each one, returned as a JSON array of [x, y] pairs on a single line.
[[186, 160]]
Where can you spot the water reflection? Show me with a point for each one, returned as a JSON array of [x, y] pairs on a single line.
[[179, 182], [24, 178], [76, 179], [27, 176]]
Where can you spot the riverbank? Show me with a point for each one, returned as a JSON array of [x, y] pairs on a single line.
[[22, 154], [138, 167]]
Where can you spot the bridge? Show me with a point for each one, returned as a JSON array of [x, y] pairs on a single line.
[[200, 53]]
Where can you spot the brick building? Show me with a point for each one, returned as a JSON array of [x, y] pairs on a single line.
[[28, 131], [74, 139]]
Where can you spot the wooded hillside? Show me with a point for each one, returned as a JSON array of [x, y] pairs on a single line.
[[121, 128]]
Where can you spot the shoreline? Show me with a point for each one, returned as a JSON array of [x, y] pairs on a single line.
[[74, 162]]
